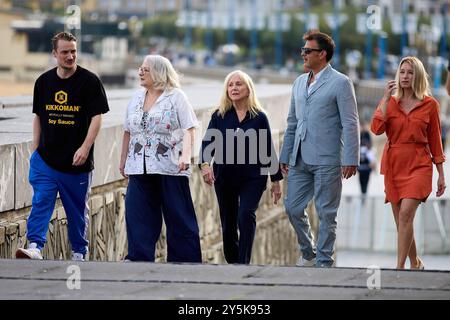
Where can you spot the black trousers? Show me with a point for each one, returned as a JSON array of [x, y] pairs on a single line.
[[149, 198], [237, 204], [364, 176]]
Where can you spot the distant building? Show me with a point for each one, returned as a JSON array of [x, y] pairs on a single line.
[[127, 8], [422, 7], [148, 8], [27, 40], [17, 63]]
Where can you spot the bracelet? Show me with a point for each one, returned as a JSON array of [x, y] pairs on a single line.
[[204, 165]]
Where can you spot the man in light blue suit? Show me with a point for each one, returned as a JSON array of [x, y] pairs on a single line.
[[321, 147]]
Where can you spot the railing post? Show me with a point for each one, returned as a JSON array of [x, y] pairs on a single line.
[[440, 223], [372, 229]]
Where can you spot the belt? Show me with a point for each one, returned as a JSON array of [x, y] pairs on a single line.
[[402, 144]]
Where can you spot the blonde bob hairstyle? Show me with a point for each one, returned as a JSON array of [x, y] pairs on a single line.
[[419, 85], [162, 73], [252, 103]]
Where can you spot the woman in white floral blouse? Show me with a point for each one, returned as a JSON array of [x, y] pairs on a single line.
[[158, 135]]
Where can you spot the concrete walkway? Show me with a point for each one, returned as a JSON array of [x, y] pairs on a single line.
[[26, 279]]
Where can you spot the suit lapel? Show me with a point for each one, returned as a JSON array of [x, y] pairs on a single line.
[[322, 80], [304, 87]]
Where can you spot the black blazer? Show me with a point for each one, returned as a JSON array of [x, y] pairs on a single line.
[[241, 150]]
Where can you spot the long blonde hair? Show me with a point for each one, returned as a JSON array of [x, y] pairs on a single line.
[[252, 103], [419, 85], [162, 72]]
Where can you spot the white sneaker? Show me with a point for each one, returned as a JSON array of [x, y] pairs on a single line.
[[77, 256], [32, 252], [306, 263]]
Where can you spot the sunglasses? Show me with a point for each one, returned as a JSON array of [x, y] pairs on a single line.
[[309, 50]]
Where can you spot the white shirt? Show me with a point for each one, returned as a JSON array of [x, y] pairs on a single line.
[[156, 136], [316, 78]]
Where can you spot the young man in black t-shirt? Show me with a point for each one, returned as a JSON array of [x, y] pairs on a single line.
[[68, 103]]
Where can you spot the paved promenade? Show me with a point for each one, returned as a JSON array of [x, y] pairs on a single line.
[[26, 279]]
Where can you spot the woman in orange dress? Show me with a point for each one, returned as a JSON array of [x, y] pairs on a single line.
[[410, 119]]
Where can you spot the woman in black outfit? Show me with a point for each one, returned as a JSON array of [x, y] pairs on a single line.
[[239, 140]]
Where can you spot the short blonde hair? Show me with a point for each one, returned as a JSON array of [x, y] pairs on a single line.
[[420, 84], [162, 72], [253, 104]]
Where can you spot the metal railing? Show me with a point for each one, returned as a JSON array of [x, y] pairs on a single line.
[[367, 223]]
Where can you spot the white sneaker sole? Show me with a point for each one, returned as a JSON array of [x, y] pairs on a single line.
[[23, 254], [307, 263]]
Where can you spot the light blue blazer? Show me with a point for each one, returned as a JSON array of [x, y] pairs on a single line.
[[324, 125]]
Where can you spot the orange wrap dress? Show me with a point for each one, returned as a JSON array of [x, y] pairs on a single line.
[[414, 143]]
